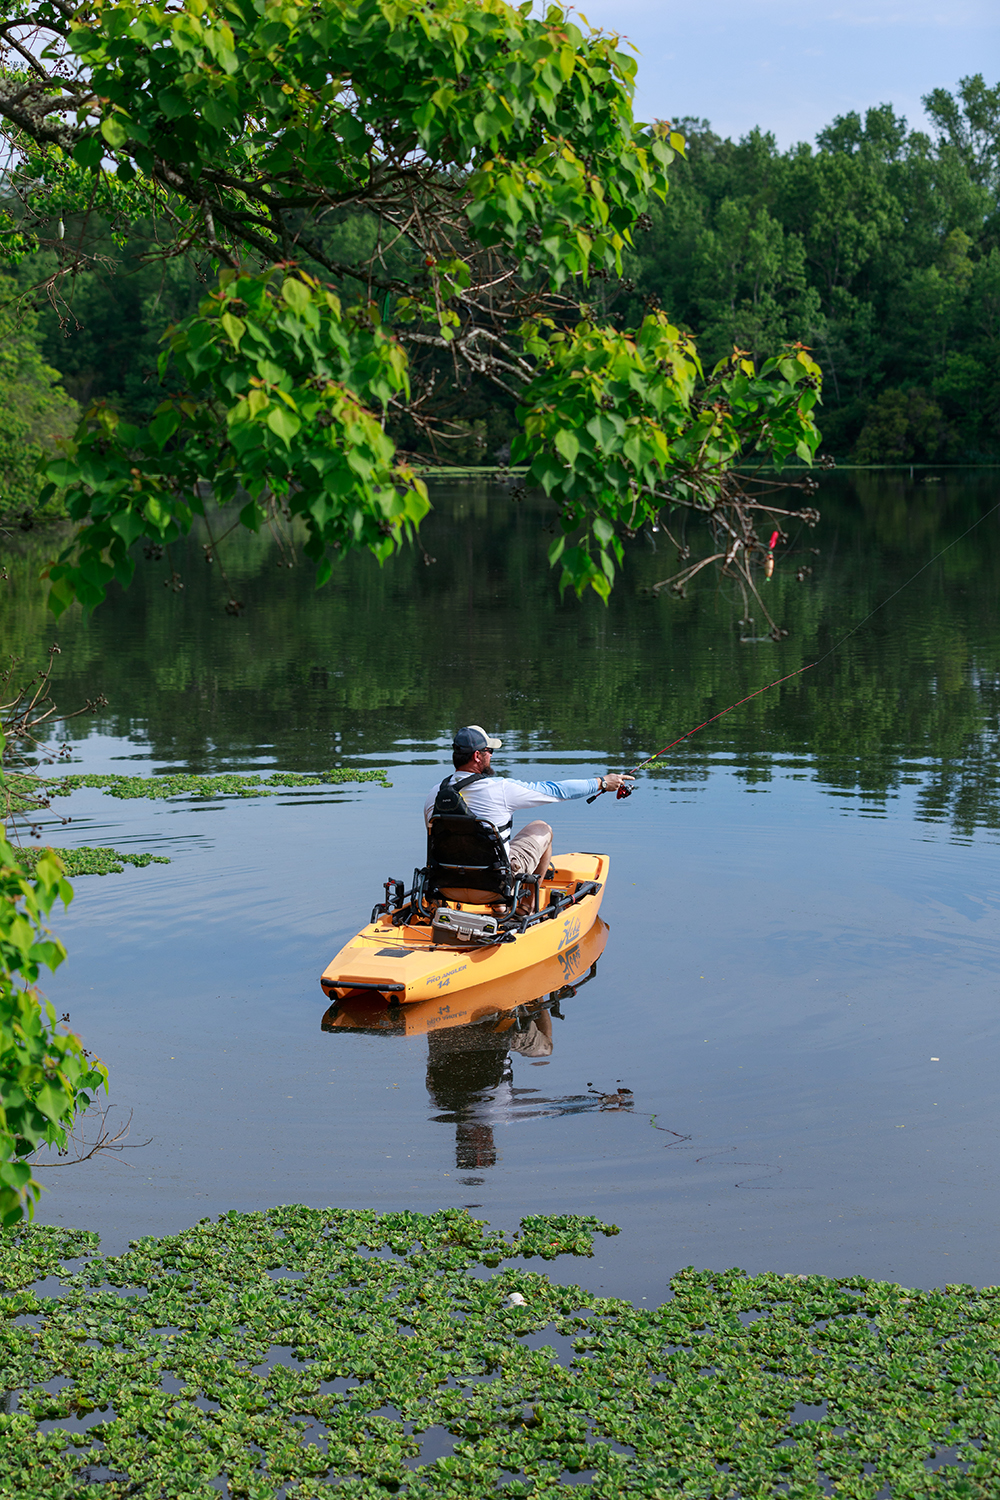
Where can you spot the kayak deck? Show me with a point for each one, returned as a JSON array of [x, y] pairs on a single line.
[[396, 955]]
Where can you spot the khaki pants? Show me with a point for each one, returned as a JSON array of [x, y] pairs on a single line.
[[531, 849]]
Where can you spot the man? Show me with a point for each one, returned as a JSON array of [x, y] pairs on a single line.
[[497, 798]]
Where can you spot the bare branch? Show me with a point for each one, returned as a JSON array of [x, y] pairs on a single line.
[[105, 1141]]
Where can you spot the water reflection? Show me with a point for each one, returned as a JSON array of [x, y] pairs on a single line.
[[473, 1041], [913, 699]]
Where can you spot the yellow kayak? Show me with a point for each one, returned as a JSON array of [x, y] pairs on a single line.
[[496, 1002], [409, 954]]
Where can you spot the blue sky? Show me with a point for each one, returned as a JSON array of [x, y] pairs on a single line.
[[790, 66]]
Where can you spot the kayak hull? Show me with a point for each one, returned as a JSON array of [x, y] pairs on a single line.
[[495, 1003], [402, 962]]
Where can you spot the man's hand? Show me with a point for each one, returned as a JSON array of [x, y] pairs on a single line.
[[613, 781]]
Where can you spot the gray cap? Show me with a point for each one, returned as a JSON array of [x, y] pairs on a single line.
[[474, 737]]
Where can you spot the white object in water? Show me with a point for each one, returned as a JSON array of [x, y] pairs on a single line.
[[516, 1300]]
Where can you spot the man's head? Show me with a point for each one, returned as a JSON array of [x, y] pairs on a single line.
[[472, 748]]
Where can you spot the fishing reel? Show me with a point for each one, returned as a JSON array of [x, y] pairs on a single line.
[[623, 791]]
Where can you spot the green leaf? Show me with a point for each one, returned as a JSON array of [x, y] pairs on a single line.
[[296, 294], [164, 426], [129, 525], [235, 328], [173, 103], [62, 471], [568, 444], [283, 423], [89, 152], [114, 131], [53, 1103]]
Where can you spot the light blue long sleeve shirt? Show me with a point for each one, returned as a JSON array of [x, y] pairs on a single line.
[[497, 798]]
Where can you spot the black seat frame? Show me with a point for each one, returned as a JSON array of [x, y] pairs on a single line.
[[466, 853]]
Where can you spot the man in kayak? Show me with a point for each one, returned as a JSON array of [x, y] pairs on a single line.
[[497, 798]]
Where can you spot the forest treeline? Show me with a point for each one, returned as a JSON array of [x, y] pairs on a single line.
[[879, 247]]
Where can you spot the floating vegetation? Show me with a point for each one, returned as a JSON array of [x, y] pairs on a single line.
[[183, 784], [91, 860], [277, 1354]]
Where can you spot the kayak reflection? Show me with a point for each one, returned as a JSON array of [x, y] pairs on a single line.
[[472, 1041]]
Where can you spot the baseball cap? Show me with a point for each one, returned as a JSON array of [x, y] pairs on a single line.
[[474, 737]]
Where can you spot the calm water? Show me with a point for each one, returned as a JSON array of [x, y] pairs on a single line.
[[800, 984]]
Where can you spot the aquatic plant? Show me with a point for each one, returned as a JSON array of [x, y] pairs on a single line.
[[91, 860], [28, 793], [228, 785], [274, 1354]]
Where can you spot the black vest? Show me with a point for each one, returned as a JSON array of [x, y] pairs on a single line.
[[449, 800]]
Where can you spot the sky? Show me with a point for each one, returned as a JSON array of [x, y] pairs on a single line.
[[791, 66]]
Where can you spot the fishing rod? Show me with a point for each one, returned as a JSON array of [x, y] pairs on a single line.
[[626, 791]]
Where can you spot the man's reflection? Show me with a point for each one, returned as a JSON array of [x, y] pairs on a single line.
[[464, 1080], [470, 1078]]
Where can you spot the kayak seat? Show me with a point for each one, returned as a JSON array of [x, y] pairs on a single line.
[[467, 861]]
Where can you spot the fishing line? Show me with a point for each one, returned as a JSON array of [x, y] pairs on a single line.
[[625, 791]]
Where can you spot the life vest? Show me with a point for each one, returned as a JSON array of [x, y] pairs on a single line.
[[450, 802]]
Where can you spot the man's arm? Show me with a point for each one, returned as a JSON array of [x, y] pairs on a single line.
[[537, 793]]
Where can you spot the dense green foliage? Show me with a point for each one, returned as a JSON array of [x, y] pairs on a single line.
[[604, 424], [277, 1352], [46, 1077], [101, 326], [36, 410], [880, 248], [301, 377], [378, 193]]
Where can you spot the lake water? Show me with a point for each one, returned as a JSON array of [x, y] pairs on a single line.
[[801, 980]]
